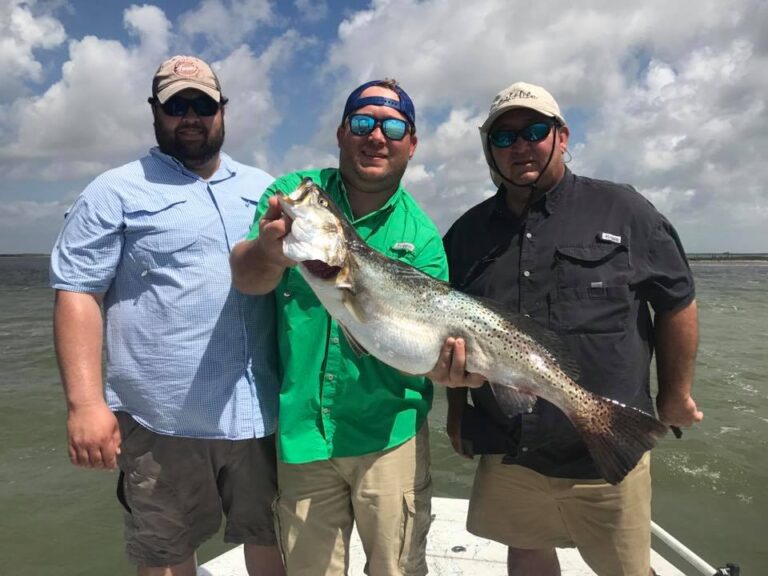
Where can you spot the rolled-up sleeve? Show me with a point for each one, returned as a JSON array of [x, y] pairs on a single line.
[[89, 246]]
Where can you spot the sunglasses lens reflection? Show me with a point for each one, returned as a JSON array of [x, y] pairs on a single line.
[[363, 124], [178, 106], [533, 133]]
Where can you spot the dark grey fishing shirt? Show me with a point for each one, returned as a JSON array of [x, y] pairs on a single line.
[[588, 261]]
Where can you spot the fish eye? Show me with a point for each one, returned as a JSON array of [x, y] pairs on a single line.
[[323, 202]]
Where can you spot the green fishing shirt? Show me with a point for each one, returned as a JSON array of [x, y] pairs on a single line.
[[332, 402]]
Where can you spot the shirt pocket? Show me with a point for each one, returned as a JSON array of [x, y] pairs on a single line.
[[157, 235], [592, 293]]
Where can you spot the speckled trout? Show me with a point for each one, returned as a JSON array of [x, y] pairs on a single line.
[[402, 316]]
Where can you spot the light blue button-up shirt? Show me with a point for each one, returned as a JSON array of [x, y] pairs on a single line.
[[187, 354]]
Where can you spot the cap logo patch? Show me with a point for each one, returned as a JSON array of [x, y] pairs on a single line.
[[515, 94], [185, 68]]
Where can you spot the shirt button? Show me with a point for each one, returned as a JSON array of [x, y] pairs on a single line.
[[334, 340], [326, 410], [524, 448], [329, 377], [286, 294], [528, 235], [526, 273], [144, 273]]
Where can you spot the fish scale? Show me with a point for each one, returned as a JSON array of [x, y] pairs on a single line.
[[402, 316]]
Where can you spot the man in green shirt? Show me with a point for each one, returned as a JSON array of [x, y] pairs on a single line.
[[352, 432]]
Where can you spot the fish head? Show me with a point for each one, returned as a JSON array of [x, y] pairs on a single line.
[[317, 238]]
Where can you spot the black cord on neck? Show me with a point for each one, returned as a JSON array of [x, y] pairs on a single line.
[[532, 185]]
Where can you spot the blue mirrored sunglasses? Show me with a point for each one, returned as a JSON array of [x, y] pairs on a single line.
[[392, 128], [533, 133], [178, 106]]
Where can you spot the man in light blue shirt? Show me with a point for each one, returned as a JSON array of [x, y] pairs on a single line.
[[189, 403]]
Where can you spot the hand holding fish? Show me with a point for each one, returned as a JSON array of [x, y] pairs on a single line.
[[678, 411], [450, 370], [273, 227], [257, 265]]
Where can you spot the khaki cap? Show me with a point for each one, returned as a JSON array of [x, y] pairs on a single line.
[[182, 72], [522, 95]]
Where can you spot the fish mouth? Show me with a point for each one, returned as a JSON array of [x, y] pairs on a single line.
[[320, 269]]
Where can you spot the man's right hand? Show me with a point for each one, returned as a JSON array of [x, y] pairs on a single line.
[[273, 227], [449, 371], [94, 436], [258, 265]]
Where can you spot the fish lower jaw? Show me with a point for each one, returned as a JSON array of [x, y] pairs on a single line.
[[320, 269]]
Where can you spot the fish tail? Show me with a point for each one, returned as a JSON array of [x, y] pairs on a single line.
[[616, 435]]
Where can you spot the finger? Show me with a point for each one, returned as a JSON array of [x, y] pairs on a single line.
[[441, 371], [95, 458], [109, 458], [274, 211], [72, 454], [81, 457], [458, 361]]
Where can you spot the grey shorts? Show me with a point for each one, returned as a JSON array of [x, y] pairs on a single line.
[[175, 489]]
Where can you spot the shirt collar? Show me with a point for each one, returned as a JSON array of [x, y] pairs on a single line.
[[225, 171], [343, 199], [548, 202]]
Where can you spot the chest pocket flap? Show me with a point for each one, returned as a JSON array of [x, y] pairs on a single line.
[[592, 292], [159, 233]]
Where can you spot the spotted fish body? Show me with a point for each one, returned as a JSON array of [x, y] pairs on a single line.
[[403, 316]]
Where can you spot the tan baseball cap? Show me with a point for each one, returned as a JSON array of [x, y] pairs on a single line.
[[522, 95], [182, 72]]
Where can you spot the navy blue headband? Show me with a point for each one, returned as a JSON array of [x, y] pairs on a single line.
[[404, 105]]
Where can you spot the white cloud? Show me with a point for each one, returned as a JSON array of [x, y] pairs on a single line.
[[252, 113], [665, 96], [312, 10], [670, 97], [22, 32], [225, 23]]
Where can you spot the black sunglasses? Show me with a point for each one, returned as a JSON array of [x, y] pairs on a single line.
[[178, 106], [532, 133], [364, 124]]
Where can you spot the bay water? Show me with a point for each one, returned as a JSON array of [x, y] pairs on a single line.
[[710, 488]]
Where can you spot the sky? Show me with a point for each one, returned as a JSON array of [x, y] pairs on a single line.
[[669, 96]]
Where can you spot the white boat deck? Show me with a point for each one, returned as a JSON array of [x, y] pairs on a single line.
[[451, 551]]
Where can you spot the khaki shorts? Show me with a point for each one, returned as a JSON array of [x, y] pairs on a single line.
[[174, 490], [387, 494], [610, 525]]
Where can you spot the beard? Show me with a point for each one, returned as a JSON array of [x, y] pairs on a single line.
[[190, 153]]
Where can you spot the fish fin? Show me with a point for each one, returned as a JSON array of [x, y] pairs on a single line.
[[350, 303], [356, 347], [616, 435], [512, 401]]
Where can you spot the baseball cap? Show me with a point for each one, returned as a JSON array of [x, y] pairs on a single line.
[[181, 72], [522, 95], [404, 105]]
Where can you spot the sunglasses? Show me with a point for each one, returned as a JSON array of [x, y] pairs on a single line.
[[178, 106], [533, 133], [392, 128]]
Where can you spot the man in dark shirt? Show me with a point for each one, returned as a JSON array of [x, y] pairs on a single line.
[[584, 258]]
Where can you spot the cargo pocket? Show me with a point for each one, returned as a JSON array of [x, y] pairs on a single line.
[[417, 517], [592, 293]]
